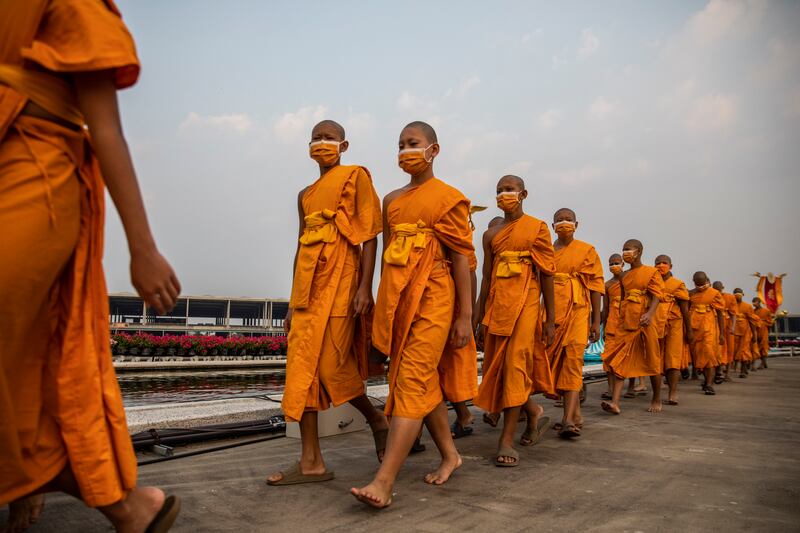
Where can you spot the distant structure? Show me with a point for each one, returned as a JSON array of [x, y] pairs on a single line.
[[199, 315]]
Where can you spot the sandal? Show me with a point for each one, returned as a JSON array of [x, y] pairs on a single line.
[[605, 396], [506, 452], [457, 430], [629, 395], [532, 435], [569, 431], [417, 447], [294, 476], [487, 418], [380, 441], [671, 402], [710, 391], [166, 515]]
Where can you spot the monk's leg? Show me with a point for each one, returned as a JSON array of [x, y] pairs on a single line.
[[402, 433], [463, 414], [655, 403], [24, 513], [439, 428], [572, 404], [709, 373], [631, 386], [673, 375], [510, 421], [617, 383], [376, 419], [533, 411], [311, 461]]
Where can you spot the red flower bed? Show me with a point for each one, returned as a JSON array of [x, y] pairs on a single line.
[[124, 343]]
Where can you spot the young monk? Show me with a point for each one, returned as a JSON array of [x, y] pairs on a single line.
[[767, 320], [339, 220], [62, 420], [745, 333], [708, 325], [609, 316], [517, 270], [731, 312], [579, 288], [634, 350], [427, 244], [673, 325]]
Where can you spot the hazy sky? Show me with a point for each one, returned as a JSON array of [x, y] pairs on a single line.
[[677, 123]]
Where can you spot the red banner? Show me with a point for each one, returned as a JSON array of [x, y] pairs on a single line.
[[769, 291]]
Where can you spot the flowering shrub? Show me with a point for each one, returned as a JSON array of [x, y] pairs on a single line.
[[123, 343]]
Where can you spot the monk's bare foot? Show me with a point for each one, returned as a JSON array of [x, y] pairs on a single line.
[[377, 494], [654, 407], [445, 470], [23, 513], [135, 513], [610, 407], [380, 423], [312, 469]]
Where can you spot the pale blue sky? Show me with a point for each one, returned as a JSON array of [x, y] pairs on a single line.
[[673, 122]]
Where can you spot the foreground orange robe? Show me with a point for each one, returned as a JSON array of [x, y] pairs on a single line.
[[515, 362], [766, 322], [742, 330], [614, 290], [416, 297], [323, 364], [59, 398], [669, 324], [578, 271], [731, 311], [704, 306], [634, 350]]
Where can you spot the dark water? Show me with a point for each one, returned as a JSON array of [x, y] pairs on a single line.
[[148, 388]]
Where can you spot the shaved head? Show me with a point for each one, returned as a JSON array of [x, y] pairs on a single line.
[[700, 278], [737, 289], [718, 285], [615, 258], [427, 130], [518, 182], [757, 300], [565, 213], [330, 126], [663, 259], [633, 243]]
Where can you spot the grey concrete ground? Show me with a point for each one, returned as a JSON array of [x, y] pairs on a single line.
[[730, 462]]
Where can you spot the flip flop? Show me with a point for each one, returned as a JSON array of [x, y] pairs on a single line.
[[558, 426], [166, 515], [605, 396], [641, 392], [629, 395], [380, 441], [671, 402], [710, 391], [458, 431], [532, 435], [417, 447], [294, 476], [607, 408], [489, 420], [570, 431], [506, 452]]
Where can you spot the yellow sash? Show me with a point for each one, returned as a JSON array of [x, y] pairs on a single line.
[[510, 263], [578, 296], [319, 227], [53, 93], [406, 236]]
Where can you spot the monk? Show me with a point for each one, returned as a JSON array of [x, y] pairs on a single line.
[[673, 325], [518, 270], [427, 245], [708, 325], [634, 350], [609, 317], [579, 288], [62, 422], [767, 319], [339, 220], [745, 333], [730, 313]]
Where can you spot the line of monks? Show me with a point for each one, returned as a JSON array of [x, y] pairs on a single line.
[[62, 423]]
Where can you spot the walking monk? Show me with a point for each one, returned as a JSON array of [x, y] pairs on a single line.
[[426, 237], [745, 333], [517, 270], [708, 325], [634, 350], [763, 332], [62, 423], [579, 288], [609, 317], [731, 311], [673, 325], [339, 220]]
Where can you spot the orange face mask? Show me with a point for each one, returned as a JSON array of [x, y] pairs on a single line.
[[663, 268], [629, 255], [413, 160], [615, 268], [703, 287], [508, 201], [326, 153], [564, 227]]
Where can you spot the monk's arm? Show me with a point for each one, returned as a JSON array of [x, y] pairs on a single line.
[[683, 305], [548, 293], [721, 325], [151, 274], [594, 331], [385, 236], [648, 316], [363, 298], [463, 324], [604, 312], [480, 306]]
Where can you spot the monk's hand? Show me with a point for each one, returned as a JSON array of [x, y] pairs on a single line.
[[154, 280], [646, 319], [480, 334], [287, 322], [549, 332], [362, 302], [594, 332], [690, 337], [722, 339], [462, 329]]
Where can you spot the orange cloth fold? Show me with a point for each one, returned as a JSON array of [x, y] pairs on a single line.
[[614, 292], [763, 330], [515, 362], [743, 333], [323, 364], [669, 323], [704, 306], [416, 299], [578, 272], [731, 311], [634, 350]]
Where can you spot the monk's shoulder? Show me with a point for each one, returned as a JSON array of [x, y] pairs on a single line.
[[583, 248], [389, 198], [446, 192]]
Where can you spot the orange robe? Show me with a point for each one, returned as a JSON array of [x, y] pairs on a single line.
[[416, 297], [323, 364], [614, 290], [766, 322], [742, 330], [515, 363], [578, 271], [731, 311], [669, 324], [634, 350], [704, 306], [60, 402]]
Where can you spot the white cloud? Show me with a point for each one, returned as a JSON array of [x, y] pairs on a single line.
[[601, 108], [589, 43], [466, 85], [519, 168], [239, 123], [291, 126], [721, 18], [359, 123], [711, 112], [549, 119], [580, 175]]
